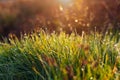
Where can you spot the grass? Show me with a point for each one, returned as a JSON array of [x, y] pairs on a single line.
[[43, 56]]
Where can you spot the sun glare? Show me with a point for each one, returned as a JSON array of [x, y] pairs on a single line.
[[65, 2]]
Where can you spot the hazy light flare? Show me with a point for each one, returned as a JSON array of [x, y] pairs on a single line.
[[66, 2]]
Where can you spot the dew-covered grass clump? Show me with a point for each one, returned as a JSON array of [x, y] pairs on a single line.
[[43, 56]]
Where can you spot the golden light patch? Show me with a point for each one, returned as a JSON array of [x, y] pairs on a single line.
[[61, 8]]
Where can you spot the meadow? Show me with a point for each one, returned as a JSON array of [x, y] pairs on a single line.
[[59, 40], [43, 56]]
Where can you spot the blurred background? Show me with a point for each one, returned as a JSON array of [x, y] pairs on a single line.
[[24, 16]]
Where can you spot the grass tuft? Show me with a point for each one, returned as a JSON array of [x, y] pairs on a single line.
[[42, 56]]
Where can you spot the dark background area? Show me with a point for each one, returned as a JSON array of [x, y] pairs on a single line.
[[24, 16]]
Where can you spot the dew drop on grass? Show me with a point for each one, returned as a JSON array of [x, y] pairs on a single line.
[[91, 78]]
